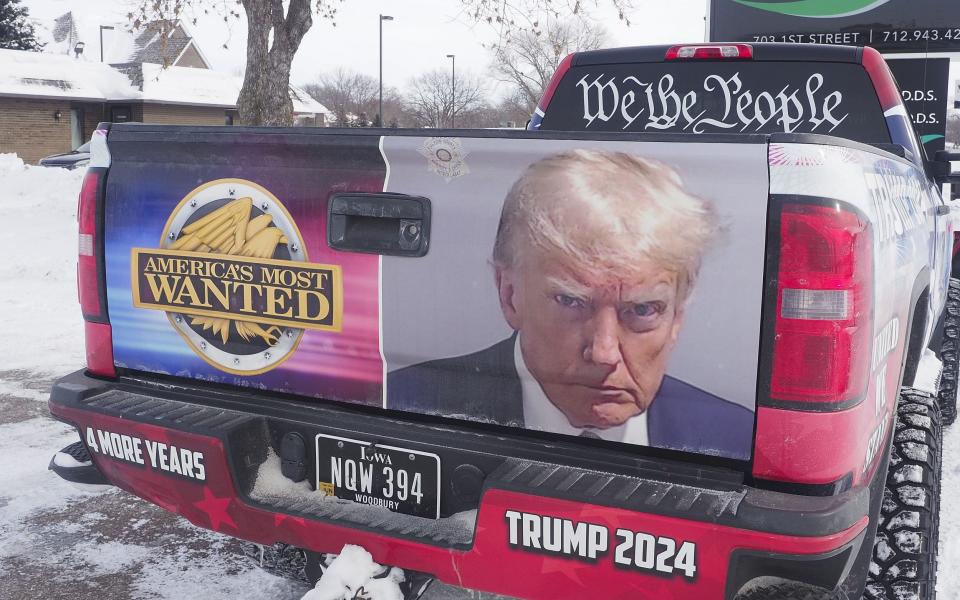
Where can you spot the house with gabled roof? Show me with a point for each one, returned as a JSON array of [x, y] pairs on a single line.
[[50, 102]]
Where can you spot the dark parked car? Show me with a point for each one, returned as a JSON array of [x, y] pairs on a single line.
[[69, 160]]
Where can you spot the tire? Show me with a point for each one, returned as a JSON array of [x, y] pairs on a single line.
[[904, 565], [788, 591], [950, 354], [281, 560]]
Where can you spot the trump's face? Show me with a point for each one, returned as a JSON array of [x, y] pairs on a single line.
[[597, 344]]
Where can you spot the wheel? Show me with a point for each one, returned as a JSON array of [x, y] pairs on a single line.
[[950, 354], [787, 591], [904, 565], [281, 560]]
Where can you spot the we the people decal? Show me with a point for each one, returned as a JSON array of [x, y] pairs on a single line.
[[722, 103], [233, 276]]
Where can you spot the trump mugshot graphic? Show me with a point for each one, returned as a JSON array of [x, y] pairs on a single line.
[[595, 258]]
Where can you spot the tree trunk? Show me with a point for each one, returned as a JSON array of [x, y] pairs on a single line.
[[265, 96]]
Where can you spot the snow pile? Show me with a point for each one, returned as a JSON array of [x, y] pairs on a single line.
[[38, 246], [10, 163], [353, 574]]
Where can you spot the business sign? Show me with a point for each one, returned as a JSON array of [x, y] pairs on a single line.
[[923, 84], [887, 25]]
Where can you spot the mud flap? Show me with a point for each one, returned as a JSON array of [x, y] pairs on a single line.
[[74, 464]]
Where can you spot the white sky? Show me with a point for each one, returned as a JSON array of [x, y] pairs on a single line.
[[422, 33]]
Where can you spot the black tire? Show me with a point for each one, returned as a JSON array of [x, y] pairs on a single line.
[[788, 591], [904, 561], [950, 354], [281, 560]]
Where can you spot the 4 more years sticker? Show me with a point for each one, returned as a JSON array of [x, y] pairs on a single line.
[[590, 542], [159, 456]]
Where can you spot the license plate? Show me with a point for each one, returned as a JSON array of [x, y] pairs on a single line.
[[399, 479]]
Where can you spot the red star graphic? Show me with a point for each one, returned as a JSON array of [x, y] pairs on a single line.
[[568, 568], [216, 509]]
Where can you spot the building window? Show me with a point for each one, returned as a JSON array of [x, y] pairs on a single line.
[[120, 114]]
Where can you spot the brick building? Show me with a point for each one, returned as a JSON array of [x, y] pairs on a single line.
[[51, 102]]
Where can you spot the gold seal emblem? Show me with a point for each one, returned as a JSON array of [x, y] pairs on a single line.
[[232, 273]]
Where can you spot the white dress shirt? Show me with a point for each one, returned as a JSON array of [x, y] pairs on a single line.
[[539, 413]]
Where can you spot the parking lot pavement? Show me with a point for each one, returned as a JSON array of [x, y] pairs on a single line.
[[57, 541]]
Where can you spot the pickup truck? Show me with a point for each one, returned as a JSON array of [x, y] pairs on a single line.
[[681, 339]]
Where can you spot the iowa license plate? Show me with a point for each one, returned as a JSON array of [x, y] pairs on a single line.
[[402, 480]]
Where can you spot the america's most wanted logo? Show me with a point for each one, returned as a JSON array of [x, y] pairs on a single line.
[[817, 9], [232, 274]]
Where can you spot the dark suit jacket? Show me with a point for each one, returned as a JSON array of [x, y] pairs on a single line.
[[484, 386]]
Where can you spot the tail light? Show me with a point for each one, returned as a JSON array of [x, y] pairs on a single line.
[[710, 52], [88, 273], [91, 280], [821, 349]]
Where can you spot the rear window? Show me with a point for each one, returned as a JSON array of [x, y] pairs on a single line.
[[720, 97]]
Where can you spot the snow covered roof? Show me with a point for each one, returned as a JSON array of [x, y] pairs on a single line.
[[184, 85], [37, 74], [305, 103]]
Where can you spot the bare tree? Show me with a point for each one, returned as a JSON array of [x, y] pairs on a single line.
[[513, 109], [529, 57], [508, 17], [345, 92], [275, 29], [430, 101], [348, 94]]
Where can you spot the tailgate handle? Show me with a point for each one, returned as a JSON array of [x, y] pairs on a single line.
[[391, 224]]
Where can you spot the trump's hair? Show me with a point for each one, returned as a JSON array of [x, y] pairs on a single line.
[[601, 211]]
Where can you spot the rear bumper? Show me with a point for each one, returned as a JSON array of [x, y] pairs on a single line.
[[222, 439]]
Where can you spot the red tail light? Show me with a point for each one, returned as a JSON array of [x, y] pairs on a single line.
[[710, 52], [821, 350], [88, 281], [91, 288]]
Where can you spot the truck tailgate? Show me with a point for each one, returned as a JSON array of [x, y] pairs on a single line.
[[572, 284]]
